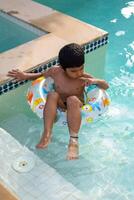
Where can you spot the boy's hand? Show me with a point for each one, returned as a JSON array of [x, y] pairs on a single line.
[[17, 74], [88, 81], [99, 82]]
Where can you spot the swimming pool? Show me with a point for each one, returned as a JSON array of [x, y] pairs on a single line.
[[106, 165], [13, 34]]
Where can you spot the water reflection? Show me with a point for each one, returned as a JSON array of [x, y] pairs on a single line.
[[128, 11]]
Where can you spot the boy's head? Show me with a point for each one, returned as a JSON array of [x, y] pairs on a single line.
[[71, 56]]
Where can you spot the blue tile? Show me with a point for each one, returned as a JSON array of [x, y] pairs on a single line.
[[1, 88]]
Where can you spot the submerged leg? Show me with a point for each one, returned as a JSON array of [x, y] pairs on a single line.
[[74, 122], [49, 115]]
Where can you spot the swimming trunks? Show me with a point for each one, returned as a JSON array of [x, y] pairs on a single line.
[[65, 103]]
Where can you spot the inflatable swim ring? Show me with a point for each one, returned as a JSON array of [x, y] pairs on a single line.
[[96, 100]]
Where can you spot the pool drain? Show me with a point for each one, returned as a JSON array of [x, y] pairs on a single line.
[[23, 164]]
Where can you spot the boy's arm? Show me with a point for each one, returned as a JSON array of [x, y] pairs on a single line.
[[101, 83], [20, 75], [93, 81], [90, 80], [86, 75]]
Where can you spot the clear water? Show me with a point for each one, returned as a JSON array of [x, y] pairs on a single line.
[[12, 35], [105, 170]]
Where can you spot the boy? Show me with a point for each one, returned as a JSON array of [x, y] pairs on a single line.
[[69, 79]]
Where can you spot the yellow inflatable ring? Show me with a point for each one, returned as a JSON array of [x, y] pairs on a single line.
[[96, 100]]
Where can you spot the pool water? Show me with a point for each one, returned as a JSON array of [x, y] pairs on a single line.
[[13, 35], [105, 170]]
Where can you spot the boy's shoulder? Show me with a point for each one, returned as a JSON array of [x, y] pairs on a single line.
[[53, 70]]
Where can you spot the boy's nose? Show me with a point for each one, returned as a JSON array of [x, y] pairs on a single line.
[[79, 74]]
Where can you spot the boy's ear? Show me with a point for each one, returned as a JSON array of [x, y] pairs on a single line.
[[63, 68]]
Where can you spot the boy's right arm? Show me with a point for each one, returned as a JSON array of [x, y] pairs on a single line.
[[20, 75]]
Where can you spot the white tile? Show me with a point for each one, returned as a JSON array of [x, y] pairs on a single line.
[[44, 196], [28, 197], [21, 192], [43, 187], [41, 183], [35, 192], [70, 198]]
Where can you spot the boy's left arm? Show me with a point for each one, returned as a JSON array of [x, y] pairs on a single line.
[[90, 80], [86, 75], [101, 83]]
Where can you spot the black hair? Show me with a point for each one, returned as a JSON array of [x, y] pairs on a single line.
[[71, 55]]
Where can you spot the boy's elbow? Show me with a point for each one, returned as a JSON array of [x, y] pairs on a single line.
[[103, 84], [106, 86]]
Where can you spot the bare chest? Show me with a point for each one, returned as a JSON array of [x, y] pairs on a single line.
[[67, 87]]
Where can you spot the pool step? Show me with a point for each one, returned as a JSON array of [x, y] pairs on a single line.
[[42, 182]]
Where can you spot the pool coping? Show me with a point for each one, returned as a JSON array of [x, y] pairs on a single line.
[[5, 193], [62, 29]]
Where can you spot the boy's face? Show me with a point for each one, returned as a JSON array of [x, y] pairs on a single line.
[[75, 72]]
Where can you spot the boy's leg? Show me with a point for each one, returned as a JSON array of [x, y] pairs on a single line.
[[49, 115], [74, 122]]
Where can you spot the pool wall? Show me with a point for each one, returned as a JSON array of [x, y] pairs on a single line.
[[95, 52], [95, 57]]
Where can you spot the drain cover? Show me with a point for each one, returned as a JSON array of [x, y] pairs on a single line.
[[23, 163]]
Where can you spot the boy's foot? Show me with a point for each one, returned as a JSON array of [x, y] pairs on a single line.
[[44, 142], [73, 151]]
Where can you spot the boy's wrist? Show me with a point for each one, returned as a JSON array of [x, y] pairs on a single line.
[[95, 81], [25, 75], [98, 81]]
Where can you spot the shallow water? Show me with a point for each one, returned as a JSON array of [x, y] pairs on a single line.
[[13, 35]]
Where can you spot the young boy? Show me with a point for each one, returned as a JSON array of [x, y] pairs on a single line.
[[70, 80]]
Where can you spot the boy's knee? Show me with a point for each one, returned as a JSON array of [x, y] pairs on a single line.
[[73, 101]]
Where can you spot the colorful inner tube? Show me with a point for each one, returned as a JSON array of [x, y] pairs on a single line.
[[96, 100]]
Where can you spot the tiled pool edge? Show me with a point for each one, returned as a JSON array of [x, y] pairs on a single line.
[[42, 182], [89, 47]]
